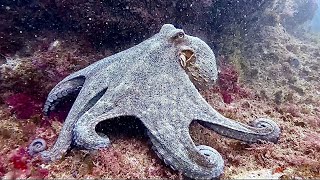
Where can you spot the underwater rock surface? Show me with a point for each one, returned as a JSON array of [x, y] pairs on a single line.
[[256, 43]]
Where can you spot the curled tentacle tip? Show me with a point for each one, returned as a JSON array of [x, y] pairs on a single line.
[[36, 146], [45, 156], [214, 157], [271, 126]]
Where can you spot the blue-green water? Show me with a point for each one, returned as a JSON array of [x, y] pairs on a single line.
[[315, 23]]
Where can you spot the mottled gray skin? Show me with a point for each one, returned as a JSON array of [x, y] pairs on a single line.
[[154, 83]]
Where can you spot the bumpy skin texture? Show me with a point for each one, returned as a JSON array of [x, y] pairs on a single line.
[[156, 81]]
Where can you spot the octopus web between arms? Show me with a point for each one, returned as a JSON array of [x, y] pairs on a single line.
[[156, 81]]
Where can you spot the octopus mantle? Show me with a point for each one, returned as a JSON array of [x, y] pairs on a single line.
[[156, 81]]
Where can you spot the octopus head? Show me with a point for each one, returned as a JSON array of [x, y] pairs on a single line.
[[194, 56]]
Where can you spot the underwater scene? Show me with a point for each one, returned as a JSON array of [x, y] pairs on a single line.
[[180, 89]]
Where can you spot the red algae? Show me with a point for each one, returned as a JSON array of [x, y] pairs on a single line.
[[20, 159], [2, 168], [39, 173], [22, 165], [23, 105], [130, 158], [228, 85]]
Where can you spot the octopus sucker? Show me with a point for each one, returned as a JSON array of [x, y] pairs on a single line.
[[61, 92]]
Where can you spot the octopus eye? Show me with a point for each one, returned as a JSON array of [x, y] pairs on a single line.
[[180, 35]]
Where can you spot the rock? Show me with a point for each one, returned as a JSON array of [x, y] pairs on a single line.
[[299, 90], [278, 97], [3, 59], [294, 62], [254, 73], [258, 174]]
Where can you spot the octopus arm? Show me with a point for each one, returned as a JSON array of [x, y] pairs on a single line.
[[177, 150], [261, 129], [85, 133], [71, 85], [66, 88]]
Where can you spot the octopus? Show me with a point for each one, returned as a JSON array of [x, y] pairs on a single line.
[[158, 82]]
